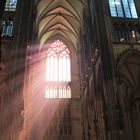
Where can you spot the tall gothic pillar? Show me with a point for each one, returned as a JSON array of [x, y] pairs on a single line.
[[106, 62]]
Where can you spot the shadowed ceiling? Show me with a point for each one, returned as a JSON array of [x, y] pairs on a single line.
[[129, 71], [60, 19]]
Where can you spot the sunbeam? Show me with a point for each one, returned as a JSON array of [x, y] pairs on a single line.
[[46, 88]]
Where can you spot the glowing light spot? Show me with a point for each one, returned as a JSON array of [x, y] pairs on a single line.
[[58, 73]]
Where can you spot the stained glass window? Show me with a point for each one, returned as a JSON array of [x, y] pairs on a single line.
[[7, 27], [123, 8], [10, 5], [58, 73]]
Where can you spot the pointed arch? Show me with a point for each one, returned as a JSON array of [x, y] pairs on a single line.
[[58, 71], [60, 18]]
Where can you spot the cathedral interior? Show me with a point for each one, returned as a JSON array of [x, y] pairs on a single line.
[[70, 70]]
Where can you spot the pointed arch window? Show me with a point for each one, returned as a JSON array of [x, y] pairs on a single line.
[[123, 8], [10, 5], [7, 27], [58, 74]]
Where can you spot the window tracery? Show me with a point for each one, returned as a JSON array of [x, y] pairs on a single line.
[[7, 27], [58, 74]]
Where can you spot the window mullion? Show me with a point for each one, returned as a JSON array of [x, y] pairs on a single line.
[[57, 71], [130, 8]]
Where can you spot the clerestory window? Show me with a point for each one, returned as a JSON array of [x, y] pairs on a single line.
[[58, 73], [10, 5], [123, 8]]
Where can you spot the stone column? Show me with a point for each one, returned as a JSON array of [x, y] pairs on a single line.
[[107, 64]]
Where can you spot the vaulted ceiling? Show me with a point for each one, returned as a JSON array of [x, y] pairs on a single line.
[[129, 70], [60, 19]]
